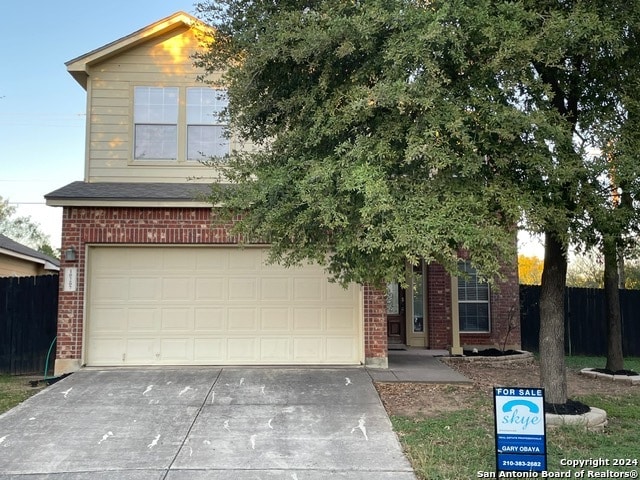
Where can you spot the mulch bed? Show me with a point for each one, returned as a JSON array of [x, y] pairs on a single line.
[[490, 352], [424, 400], [628, 373]]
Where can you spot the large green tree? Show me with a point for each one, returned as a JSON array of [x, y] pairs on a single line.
[[372, 149], [616, 218], [389, 131], [597, 78], [23, 229], [574, 58]]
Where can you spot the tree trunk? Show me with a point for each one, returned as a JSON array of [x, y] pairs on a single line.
[[553, 374], [622, 277], [615, 358]]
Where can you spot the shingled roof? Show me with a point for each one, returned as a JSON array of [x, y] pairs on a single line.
[[119, 193], [13, 248]]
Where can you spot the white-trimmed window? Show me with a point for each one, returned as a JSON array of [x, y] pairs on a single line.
[[205, 127], [177, 123], [155, 117], [473, 301]]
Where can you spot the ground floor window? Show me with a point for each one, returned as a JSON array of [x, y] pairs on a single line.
[[473, 300]]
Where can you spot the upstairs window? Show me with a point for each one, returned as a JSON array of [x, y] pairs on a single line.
[[156, 123], [177, 123], [205, 127], [473, 301]]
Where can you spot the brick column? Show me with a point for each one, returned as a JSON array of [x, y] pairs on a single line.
[[70, 303], [375, 328], [439, 307]]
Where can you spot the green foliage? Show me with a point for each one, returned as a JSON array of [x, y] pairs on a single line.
[[632, 275], [392, 130], [586, 270], [373, 148], [23, 230]]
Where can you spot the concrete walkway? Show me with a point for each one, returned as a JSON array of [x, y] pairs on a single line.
[[203, 423], [419, 366]]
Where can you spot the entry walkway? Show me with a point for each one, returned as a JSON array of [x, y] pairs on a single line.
[[419, 366]]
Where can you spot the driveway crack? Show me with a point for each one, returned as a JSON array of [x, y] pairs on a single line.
[[195, 418]]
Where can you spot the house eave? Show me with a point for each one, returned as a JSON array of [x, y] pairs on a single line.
[[44, 263], [131, 194], [124, 203]]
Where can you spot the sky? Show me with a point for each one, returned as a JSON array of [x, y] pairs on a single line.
[[42, 108]]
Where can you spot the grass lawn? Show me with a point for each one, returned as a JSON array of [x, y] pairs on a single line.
[[460, 444], [578, 362], [14, 390]]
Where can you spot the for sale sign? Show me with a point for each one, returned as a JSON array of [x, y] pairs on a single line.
[[520, 429]]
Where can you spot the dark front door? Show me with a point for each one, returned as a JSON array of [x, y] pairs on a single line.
[[396, 318]]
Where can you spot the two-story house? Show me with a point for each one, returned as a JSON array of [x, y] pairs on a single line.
[[149, 279]]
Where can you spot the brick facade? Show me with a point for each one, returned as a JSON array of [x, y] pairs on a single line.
[[375, 326], [84, 226], [438, 308], [504, 305]]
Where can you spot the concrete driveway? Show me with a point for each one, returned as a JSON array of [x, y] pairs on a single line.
[[197, 423]]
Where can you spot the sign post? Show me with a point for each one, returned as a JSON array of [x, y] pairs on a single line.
[[520, 429]]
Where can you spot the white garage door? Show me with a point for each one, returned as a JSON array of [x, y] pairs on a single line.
[[210, 306]]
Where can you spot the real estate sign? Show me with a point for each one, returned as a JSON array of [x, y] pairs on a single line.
[[520, 429]]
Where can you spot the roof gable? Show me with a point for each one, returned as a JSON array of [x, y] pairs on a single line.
[[79, 67]]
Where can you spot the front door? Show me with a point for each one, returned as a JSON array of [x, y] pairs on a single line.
[[396, 318]]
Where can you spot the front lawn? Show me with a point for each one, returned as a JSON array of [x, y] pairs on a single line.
[[14, 390], [460, 444], [578, 362], [448, 432]]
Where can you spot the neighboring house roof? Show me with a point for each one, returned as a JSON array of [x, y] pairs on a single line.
[[14, 249], [79, 67], [113, 194]]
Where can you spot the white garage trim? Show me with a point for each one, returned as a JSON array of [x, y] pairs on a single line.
[[215, 306]]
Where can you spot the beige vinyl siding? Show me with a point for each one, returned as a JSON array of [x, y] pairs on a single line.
[[162, 61], [16, 267], [98, 130], [108, 89], [151, 172]]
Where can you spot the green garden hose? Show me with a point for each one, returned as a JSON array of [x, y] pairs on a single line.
[[46, 364]]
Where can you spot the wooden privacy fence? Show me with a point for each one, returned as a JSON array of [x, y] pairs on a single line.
[[585, 328], [28, 316]]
